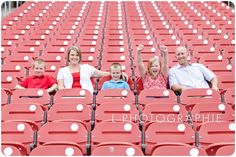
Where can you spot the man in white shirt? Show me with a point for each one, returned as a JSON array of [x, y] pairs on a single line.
[[186, 75]]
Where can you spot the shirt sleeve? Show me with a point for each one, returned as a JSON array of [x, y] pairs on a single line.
[[104, 86], [90, 69], [172, 78], [207, 73], [51, 81], [126, 86], [60, 75], [25, 83]]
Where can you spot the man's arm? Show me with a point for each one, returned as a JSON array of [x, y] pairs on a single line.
[[178, 88], [214, 83], [19, 87]]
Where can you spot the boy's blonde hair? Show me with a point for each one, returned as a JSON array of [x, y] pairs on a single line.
[[150, 62], [39, 61], [115, 66]]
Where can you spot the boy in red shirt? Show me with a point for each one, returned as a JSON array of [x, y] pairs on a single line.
[[38, 80]]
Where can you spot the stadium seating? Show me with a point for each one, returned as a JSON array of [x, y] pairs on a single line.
[[77, 122]]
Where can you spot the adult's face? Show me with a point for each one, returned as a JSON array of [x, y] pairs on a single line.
[[74, 57], [182, 55]]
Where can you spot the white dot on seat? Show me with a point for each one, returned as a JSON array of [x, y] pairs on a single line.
[[177, 42], [166, 93], [181, 127], [121, 42], [9, 78], [8, 151], [65, 43], [127, 107], [73, 27], [9, 43], [127, 127], [58, 58], [153, 49], [221, 107], [68, 37], [32, 49], [79, 107], [122, 49], [37, 43], [90, 58], [122, 58], [121, 37], [74, 127], [92, 49], [232, 126], [205, 41], [209, 92], [194, 152], [18, 67], [130, 151], [26, 58], [62, 49], [42, 37], [150, 42], [212, 49], [229, 67], [40, 92], [53, 67], [124, 93], [96, 32], [32, 108], [21, 127], [16, 36], [176, 108], [220, 57], [82, 92], [69, 152]]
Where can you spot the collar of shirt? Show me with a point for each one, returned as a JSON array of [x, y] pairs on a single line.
[[41, 76], [179, 66], [120, 81]]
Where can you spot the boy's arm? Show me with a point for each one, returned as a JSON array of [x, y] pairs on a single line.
[[52, 88], [19, 87]]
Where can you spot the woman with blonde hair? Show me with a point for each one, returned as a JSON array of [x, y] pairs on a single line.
[[156, 74]]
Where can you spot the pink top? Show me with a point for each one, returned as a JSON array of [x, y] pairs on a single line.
[[158, 83]]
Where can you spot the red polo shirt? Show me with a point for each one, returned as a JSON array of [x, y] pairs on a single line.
[[43, 82]]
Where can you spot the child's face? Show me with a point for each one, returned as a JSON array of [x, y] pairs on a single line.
[[155, 68], [39, 69], [115, 74]]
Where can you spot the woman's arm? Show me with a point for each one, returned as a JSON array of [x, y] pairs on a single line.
[[60, 84], [164, 56], [139, 61], [99, 73]]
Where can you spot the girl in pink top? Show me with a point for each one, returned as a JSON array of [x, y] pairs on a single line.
[[155, 76]]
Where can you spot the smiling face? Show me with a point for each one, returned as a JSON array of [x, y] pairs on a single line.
[[39, 68], [154, 66], [182, 56], [116, 71], [74, 57]]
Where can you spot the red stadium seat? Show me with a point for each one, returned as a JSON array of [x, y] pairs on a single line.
[[190, 97], [229, 96], [116, 131], [13, 149], [21, 132], [73, 95], [213, 132], [57, 149], [24, 112], [64, 131], [70, 110], [168, 133], [211, 112], [226, 81], [178, 150], [31, 95], [116, 111], [113, 95], [160, 96], [9, 81], [117, 149]]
